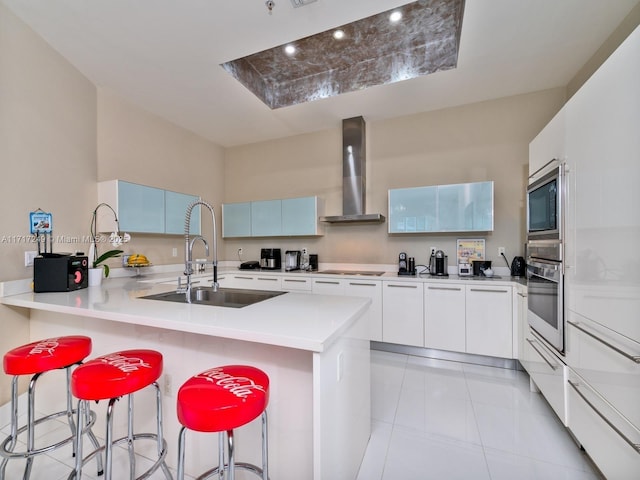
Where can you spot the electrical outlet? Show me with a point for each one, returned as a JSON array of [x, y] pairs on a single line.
[[304, 251], [501, 251], [174, 252], [240, 251], [168, 385], [433, 250], [29, 255]]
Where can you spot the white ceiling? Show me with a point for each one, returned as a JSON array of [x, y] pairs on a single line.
[[164, 56]]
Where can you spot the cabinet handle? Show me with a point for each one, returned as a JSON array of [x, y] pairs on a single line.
[[294, 281], [575, 386], [633, 358], [551, 365], [457, 289], [244, 278], [402, 286], [488, 290], [327, 282], [271, 279], [356, 284], [522, 295]]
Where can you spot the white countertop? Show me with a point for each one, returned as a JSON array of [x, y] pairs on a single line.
[[295, 320]]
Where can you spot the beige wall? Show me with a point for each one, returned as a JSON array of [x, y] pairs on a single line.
[[477, 142], [47, 154], [139, 147]]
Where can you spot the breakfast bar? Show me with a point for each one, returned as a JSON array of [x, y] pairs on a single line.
[[314, 348]]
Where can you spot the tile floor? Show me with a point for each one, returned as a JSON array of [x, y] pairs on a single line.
[[434, 419]]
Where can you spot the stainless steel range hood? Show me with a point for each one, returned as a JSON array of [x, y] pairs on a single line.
[[353, 176]]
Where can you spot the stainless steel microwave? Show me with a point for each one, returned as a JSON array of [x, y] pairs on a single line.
[[544, 206]]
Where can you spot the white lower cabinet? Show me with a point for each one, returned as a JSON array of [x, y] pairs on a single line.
[[252, 282], [607, 436], [328, 286], [296, 284], [403, 313], [547, 371], [373, 290], [444, 316], [489, 320]]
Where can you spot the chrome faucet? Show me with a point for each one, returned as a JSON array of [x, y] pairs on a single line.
[[188, 250]]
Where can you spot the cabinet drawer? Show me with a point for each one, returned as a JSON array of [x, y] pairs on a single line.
[[611, 442], [328, 286], [296, 284], [548, 372], [608, 361]]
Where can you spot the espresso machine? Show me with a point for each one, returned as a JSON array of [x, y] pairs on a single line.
[[270, 259], [438, 264]]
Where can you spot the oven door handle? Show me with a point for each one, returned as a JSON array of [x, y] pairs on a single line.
[[551, 365]]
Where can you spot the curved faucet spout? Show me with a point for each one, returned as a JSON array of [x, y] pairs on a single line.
[[188, 261]]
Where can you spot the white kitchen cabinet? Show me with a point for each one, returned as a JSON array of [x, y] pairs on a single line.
[[444, 316], [144, 209], [252, 281], [464, 207], [370, 289], [547, 371], [489, 320], [547, 146], [403, 313], [520, 299], [296, 284], [606, 436], [328, 286]]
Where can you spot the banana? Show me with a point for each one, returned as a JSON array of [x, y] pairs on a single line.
[[138, 259]]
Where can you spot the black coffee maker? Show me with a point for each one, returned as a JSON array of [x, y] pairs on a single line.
[[438, 264], [270, 259]]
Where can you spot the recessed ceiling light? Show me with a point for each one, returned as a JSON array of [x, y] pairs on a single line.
[[395, 16], [338, 34], [289, 49]]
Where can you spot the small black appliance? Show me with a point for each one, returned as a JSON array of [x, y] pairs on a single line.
[[313, 262], [518, 267], [56, 272], [406, 265], [271, 258], [438, 264]]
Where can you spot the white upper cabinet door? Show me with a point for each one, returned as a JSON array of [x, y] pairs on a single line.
[[176, 205], [603, 142], [266, 218], [236, 220], [549, 145]]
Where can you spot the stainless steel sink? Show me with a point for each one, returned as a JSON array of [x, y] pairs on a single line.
[[224, 297], [352, 272]]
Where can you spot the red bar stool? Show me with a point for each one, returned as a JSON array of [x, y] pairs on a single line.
[[35, 359], [110, 377], [220, 400]]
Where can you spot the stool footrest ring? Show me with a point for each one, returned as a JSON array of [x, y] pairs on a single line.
[[239, 466], [137, 436], [6, 453]]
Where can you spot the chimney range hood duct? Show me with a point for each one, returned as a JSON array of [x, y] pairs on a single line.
[[353, 176]]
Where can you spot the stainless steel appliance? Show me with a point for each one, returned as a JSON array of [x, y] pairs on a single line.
[[545, 291], [464, 269], [270, 258], [544, 204], [292, 260], [438, 264], [54, 272]]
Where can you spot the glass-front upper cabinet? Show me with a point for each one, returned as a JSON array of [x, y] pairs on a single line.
[[462, 207]]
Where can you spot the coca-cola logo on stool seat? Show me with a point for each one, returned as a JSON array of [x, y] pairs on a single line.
[[241, 387], [123, 363], [45, 346]]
